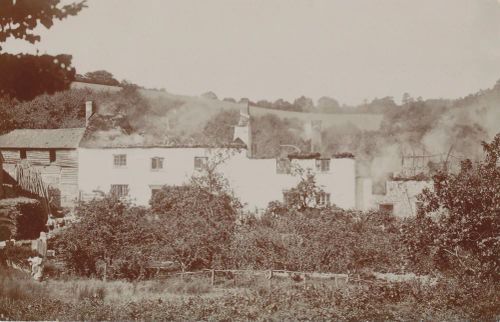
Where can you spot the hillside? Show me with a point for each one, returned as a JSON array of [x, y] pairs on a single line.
[[379, 140], [362, 121]]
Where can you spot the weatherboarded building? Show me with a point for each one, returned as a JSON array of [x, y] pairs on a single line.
[[53, 152]]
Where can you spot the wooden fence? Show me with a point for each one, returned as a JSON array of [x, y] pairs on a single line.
[[338, 279]]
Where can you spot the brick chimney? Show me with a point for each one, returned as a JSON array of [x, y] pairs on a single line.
[[89, 111]]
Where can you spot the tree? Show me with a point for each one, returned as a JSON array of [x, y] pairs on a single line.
[[328, 105], [220, 128], [101, 77], [407, 99], [209, 95], [306, 193], [459, 224], [20, 17], [25, 76], [304, 104], [110, 238], [194, 225]]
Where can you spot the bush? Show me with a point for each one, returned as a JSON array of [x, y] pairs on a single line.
[[22, 218]]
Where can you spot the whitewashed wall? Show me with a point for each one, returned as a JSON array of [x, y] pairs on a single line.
[[402, 195], [254, 181]]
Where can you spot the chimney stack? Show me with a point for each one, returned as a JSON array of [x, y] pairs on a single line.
[[89, 111], [316, 141], [243, 130]]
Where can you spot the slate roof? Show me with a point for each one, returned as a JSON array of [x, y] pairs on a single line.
[[42, 138]]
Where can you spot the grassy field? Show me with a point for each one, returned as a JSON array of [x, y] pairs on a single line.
[[243, 299]]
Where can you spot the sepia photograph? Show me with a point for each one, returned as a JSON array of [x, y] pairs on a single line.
[[249, 160]]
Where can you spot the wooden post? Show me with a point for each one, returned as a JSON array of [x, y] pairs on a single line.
[[305, 281], [212, 277], [336, 284], [270, 278]]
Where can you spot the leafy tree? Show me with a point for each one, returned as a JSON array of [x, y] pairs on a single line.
[[459, 225], [20, 17], [269, 132], [209, 95], [220, 128], [62, 110], [306, 193], [110, 238], [304, 104], [328, 105], [100, 77], [25, 76], [194, 225], [6, 115], [281, 104]]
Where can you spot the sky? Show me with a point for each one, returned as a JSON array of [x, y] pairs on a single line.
[[350, 50]]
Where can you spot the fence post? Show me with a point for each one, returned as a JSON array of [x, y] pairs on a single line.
[[212, 278], [305, 281], [270, 278], [335, 279]]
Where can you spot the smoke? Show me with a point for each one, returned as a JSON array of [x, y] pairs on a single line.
[[461, 129], [129, 118], [434, 128]]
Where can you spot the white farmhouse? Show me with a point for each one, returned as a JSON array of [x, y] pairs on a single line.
[[82, 170], [137, 171]]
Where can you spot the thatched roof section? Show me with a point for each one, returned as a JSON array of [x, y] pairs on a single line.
[[42, 138]]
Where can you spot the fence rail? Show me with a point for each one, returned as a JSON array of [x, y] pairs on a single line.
[[269, 274]]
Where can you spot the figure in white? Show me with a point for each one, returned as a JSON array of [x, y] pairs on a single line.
[[36, 267]]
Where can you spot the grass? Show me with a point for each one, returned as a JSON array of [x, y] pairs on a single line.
[[75, 290], [243, 298]]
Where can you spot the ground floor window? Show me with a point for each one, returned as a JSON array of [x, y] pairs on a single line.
[[386, 207], [119, 190], [323, 199]]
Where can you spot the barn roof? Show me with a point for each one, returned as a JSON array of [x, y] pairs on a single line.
[[42, 138]]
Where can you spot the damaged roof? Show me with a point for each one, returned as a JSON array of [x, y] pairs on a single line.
[[43, 138]]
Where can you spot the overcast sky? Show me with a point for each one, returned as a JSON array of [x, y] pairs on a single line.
[[266, 49]]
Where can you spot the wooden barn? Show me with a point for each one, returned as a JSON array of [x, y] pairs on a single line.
[[52, 152]]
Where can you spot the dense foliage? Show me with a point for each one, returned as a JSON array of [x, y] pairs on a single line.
[[110, 239], [21, 218], [26, 76], [195, 225], [102, 77], [323, 240], [459, 225], [18, 19]]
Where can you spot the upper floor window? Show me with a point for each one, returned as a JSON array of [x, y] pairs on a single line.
[[323, 165], [283, 166], [52, 155], [22, 153], [156, 163], [119, 190], [200, 162], [120, 160]]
